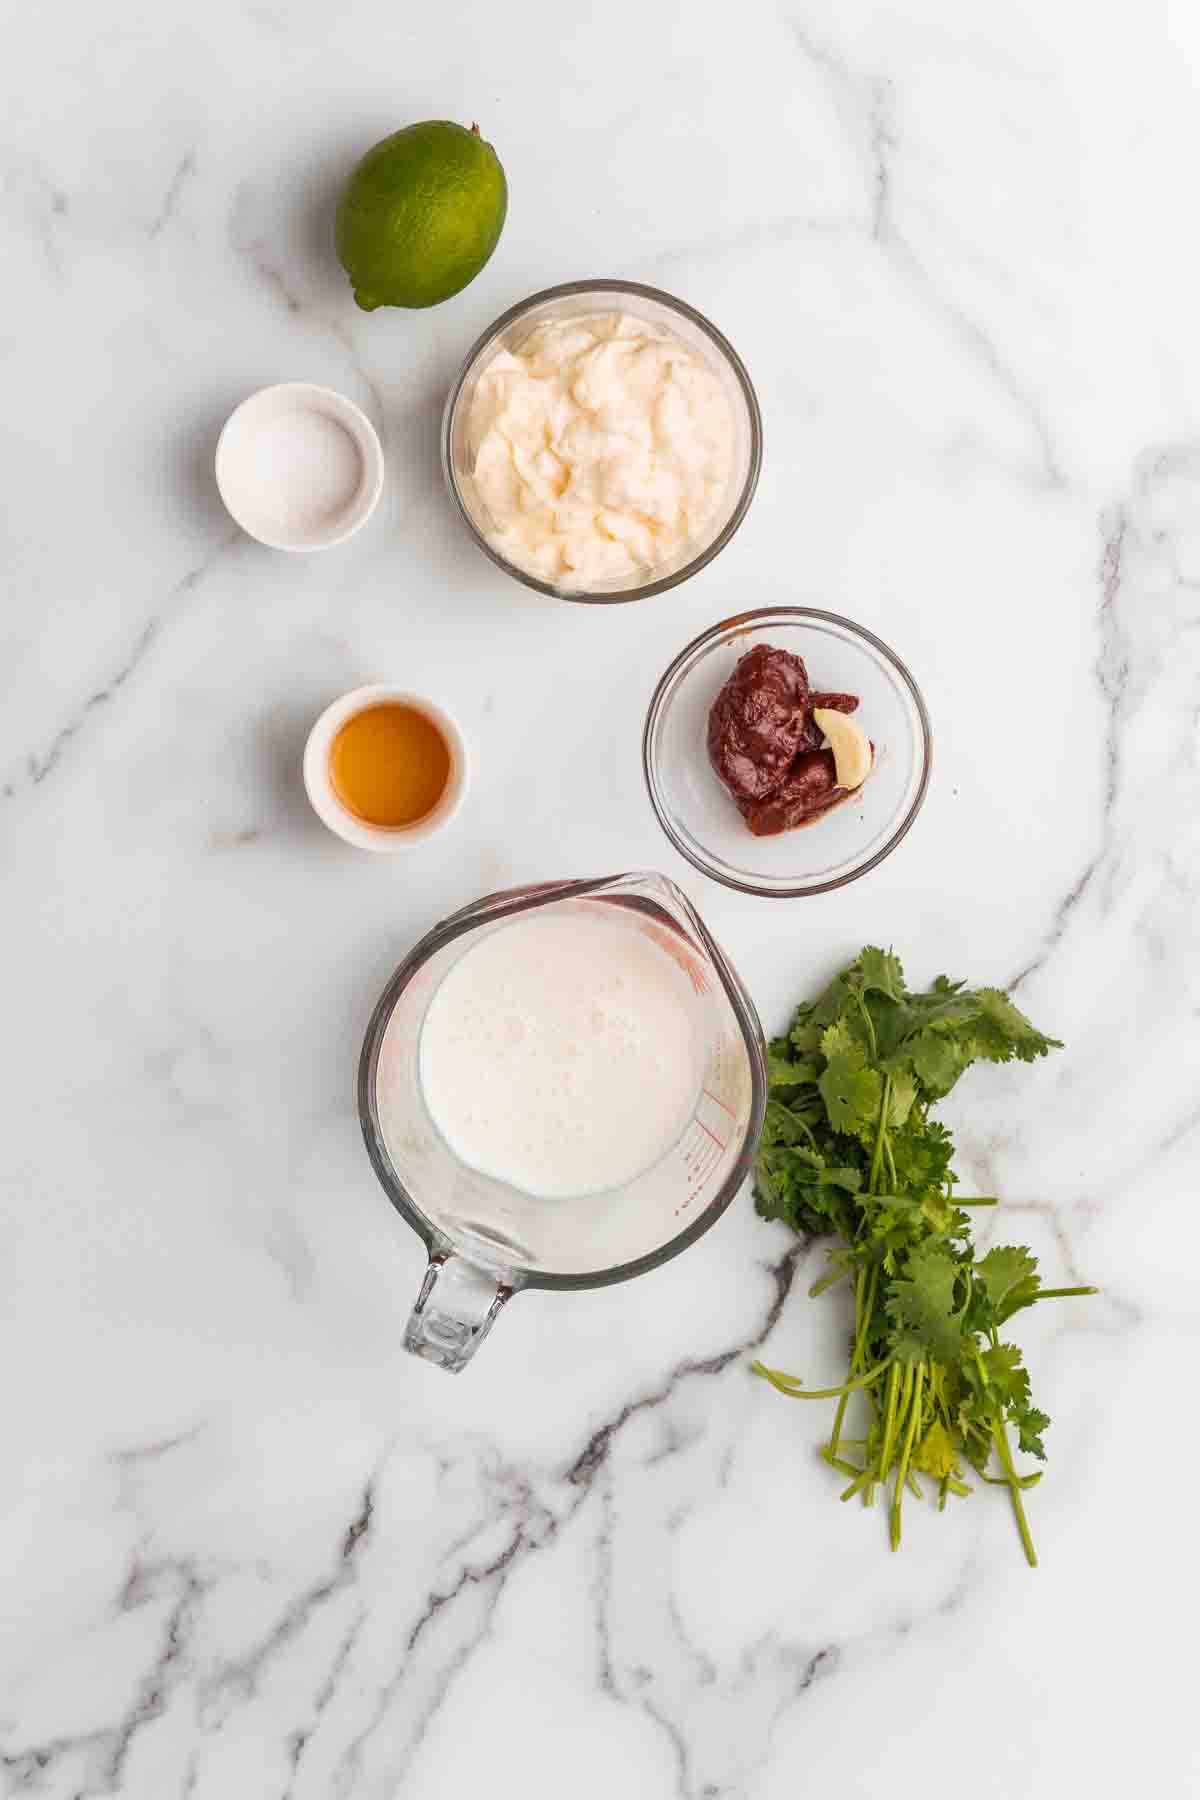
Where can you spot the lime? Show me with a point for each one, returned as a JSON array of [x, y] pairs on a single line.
[[420, 216]]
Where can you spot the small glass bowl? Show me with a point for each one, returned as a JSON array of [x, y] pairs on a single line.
[[699, 816], [578, 299]]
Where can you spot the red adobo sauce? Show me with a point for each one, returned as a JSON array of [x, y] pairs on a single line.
[[765, 747]]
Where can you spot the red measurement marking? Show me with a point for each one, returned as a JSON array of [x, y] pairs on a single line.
[[679, 953], [720, 1103], [712, 1134]]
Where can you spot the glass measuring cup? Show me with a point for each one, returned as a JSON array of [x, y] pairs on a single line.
[[486, 1240]]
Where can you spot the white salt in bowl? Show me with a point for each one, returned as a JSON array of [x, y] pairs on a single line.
[[299, 467]]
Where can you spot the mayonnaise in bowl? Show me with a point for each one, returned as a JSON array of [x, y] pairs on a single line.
[[603, 452]]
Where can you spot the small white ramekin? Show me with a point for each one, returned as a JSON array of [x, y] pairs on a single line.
[[318, 776], [238, 459]]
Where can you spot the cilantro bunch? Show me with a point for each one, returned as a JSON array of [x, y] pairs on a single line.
[[850, 1150]]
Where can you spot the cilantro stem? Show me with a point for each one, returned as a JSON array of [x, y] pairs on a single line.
[[784, 1383], [839, 1462], [1000, 1435], [885, 1104], [914, 1413], [1061, 1293], [905, 1395], [889, 1420], [981, 1200], [856, 1486], [862, 1007], [863, 1304]]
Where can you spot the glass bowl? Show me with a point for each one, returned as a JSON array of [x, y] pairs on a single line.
[[577, 299], [699, 816]]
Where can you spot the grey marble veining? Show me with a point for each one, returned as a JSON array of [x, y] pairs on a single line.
[[251, 1548]]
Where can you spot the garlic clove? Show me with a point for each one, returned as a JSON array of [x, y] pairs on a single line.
[[850, 744]]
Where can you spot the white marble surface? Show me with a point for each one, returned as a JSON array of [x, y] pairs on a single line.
[[250, 1548]]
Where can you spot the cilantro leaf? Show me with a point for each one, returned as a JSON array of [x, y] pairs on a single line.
[[852, 1092], [921, 1303], [805, 1033], [934, 1455], [1005, 1371], [937, 1061], [922, 1152], [1003, 1031], [841, 1039], [795, 1183], [783, 1072], [833, 1003], [1008, 1382], [1008, 1275], [908, 1347], [942, 1216], [1030, 1424], [879, 971]]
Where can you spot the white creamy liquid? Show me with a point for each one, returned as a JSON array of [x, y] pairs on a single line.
[[563, 1054], [602, 448]]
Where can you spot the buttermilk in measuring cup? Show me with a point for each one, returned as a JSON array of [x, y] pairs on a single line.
[[563, 1054]]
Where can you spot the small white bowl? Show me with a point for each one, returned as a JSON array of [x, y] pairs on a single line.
[[318, 776], [299, 467]]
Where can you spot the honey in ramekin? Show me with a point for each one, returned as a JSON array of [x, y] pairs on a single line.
[[389, 764]]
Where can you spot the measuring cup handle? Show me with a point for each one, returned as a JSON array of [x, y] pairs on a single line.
[[455, 1310]]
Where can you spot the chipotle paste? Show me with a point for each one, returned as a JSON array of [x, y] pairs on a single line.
[[766, 748]]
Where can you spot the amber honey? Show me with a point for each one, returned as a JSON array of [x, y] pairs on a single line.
[[389, 764]]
